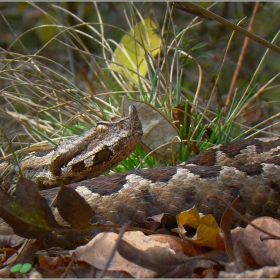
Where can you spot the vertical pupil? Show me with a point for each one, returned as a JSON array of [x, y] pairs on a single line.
[[101, 129]]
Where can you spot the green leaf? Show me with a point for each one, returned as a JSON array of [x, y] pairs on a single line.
[[16, 268], [25, 268]]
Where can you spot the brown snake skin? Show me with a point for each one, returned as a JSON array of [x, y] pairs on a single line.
[[250, 168], [82, 157]]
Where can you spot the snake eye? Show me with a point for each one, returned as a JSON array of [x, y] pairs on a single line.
[[102, 128]]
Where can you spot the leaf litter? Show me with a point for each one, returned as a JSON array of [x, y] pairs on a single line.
[[160, 255], [235, 253]]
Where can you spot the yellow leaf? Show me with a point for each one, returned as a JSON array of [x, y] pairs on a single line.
[[133, 50], [205, 225]]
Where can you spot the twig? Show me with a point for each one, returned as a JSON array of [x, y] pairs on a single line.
[[240, 60], [231, 25]]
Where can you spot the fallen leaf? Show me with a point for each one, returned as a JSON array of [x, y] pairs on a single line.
[[205, 225], [26, 254], [164, 262], [243, 260], [141, 247], [98, 251], [265, 272], [266, 252], [10, 241], [178, 245], [73, 208], [56, 265], [28, 213], [152, 223]]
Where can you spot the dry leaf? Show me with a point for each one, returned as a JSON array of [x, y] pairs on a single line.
[[25, 254], [11, 240], [265, 272], [265, 252], [178, 245], [28, 213], [141, 248], [164, 262], [252, 114], [243, 259], [56, 265], [152, 223], [98, 251], [73, 208], [206, 226], [157, 129]]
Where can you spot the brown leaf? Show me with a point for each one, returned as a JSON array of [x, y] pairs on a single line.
[[152, 223], [165, 263], [265, 272], [98, 251], [28, 213], [157, 128], [178, 245], [265, 252], [157, 258], [73, 208], [243, 259], [10, 241], [160, 256], [27, 252], [56, 265]]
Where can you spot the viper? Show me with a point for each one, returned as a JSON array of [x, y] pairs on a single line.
[[249, 168]]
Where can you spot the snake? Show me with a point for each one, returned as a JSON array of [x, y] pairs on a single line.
[[249, 168]]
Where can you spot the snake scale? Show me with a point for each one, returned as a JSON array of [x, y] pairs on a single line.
[[250, 168]]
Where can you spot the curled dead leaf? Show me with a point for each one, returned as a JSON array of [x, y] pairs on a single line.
[[206, 226], [158, 130], [263, 252]]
